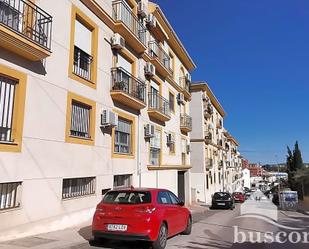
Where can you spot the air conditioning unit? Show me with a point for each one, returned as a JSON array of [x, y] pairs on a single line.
[[149, 130], [170, 139], [188, 147], [109, 118], [118, 42], [151, 21], [142, 8], [180, 98], [149, 69], [188, 77]]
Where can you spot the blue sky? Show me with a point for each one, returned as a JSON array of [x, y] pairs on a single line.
[[255, 57]]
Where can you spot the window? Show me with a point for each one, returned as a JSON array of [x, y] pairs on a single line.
[[183, 151], [127, 197], [75, 187], [219, 177], [155, 148], [122, 180], [84, 44], [7, 97], [80, 126], [123, 137], [207, 181], [80, 120], [164, 198], [10, 195], [172, 102], [12, 103], [174, 198]]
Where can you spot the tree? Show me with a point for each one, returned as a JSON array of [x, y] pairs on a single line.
[[296, 170], [297, 159]]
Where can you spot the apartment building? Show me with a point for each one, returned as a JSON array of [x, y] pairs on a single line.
[[214, 160], [93, 95]]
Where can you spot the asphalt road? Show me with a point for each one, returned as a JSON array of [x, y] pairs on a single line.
[[235, 229], [253, 224]]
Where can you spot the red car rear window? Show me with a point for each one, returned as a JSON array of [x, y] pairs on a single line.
[[127, 197]]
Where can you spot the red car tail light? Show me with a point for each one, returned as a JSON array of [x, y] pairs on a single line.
[[146, 210]]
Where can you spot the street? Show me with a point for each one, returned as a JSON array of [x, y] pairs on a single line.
[[211, 229]]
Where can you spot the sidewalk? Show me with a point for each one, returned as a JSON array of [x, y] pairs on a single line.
[[75, 237]]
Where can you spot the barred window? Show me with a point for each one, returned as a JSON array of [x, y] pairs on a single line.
[[10, 195], [123, 137], [75, 187], [80, 120], [122, 180], [7, 96]]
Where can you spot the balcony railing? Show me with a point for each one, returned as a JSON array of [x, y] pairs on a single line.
[[123, 13], [158, 103], [184, 83], [208, 138], [28, 20], [156, 51], [82, 63], [185, 121], [127, 83], [220, 163]]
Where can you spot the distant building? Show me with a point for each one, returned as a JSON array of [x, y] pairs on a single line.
[[255, 170], [246, 178]]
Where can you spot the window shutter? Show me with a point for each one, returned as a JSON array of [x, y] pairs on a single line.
[[82, 37]]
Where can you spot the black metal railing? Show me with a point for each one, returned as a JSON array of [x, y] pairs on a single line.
[[157, 102], [220, 142], [80, 120], [82, 63], [123, 13], [127, 83], [9, 195], [7, 99], [220, 164], [185, 121], [156, 51], [28, 20], [184, 83]]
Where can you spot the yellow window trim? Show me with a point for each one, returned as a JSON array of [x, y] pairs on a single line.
[[76, 140], [85, 20], [18, 110], [130, 118]]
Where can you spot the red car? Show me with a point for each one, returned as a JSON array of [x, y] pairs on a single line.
[[239, 197], [141, 214]]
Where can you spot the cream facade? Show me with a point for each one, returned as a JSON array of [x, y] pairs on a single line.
[[89, 112], [215, 162]]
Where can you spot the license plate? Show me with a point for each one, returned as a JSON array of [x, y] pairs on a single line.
[[117, 227], [221, 204]]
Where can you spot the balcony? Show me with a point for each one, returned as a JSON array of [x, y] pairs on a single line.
[[158, 107], [127, 89], [209, 163], [25, 29], [219, 125], [220, 164], [185, 123], [220, 143], [208, 111], [160, 59], [185, 85], [128, 26], [208, 138]]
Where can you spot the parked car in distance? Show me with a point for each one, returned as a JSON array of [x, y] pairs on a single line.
[[141, 214], [222, 200], [238, 197]]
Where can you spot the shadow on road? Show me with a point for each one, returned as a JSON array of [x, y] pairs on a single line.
[[86, 233]]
